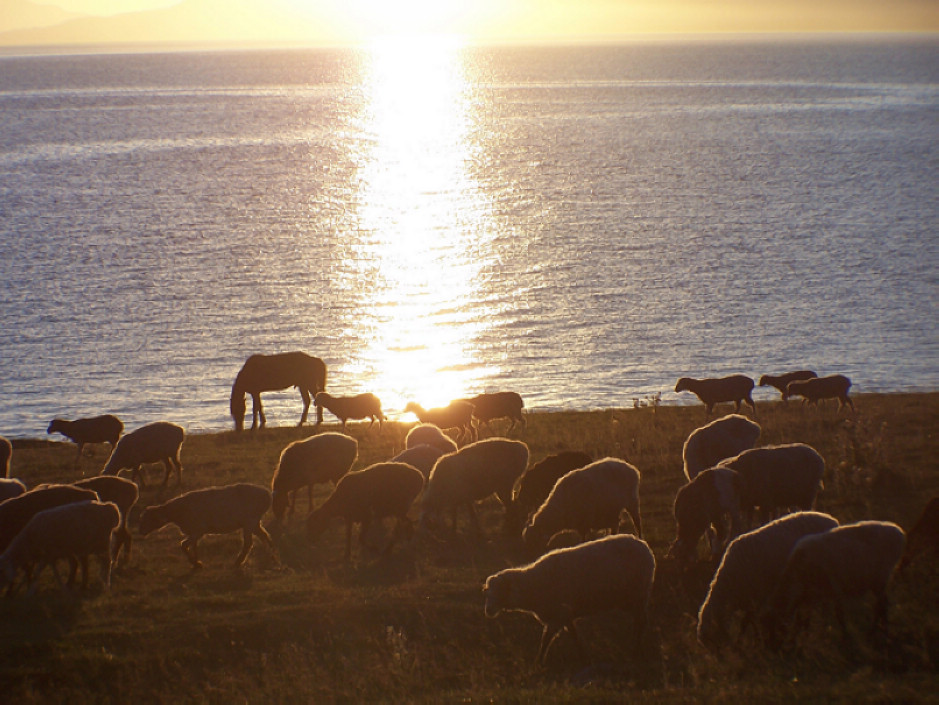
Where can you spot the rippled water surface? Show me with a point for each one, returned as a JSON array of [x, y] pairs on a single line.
[[581, 224]]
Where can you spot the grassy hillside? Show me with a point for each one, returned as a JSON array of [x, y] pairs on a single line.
[[410, 626]]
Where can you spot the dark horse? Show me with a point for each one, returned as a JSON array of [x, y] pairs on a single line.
[[266, 373]]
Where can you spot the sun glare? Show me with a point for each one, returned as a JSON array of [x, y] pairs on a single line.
[[406, 17]]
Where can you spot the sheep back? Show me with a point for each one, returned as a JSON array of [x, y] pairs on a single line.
[[734, 388], [423, 457], [11, 487], [152, 443], [723, 438], [428, 434], [106, 428], [210, 510], [816, 389], [16, 512], [498, 405], [325, 457], [536, 483]]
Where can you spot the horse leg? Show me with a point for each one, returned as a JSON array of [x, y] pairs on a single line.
[[306, 408], [257, 411]]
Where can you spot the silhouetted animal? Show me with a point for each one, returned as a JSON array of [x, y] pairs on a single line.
[[780, 382], [736, 388], [267, 373], [97, 429]]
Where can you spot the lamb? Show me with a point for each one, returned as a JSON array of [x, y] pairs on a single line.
[[701, 507], [6, 453], [213, 510], [97, 429], [361, 497], [361, 406], [615, 572], [777, 478], [430, 435], [422, 457], [736, 388], [322, 458], [155, 442], [498, 405], [458, 414], [470, 474], [536, 483], [15, 513], [923, 538], [781, 382], [722, 438], [830, 387], [71, 531], [11, 487], [749, 571], [587, 499], [844, 562]]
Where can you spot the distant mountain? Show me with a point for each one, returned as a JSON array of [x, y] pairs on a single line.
[[23, 14]]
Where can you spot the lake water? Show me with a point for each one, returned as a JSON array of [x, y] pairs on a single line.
[[583, 225]]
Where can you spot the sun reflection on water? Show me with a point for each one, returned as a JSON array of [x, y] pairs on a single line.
[[422, 231]]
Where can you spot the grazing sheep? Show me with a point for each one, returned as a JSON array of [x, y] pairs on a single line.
[[97, 429], [314, 460], [831, 387], [124, 494], [701, 507], [736, 388], [923, 538], [588, 499], [361, 406], [781, 382], [844, 562], [777, 479], [426, 434], [213, 510], [16, 512], [458, 414], [722, 438], [498, 405], [155, 442], [11, 487], [6, 453], [71, 532], [473, 473], [422, 457], [749, 571], [536, 483], [361, 497], [612, 573]]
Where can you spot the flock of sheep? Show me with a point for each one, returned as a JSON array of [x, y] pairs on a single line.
[[753, 506]]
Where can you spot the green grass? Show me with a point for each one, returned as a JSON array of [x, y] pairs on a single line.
[[410, 627]]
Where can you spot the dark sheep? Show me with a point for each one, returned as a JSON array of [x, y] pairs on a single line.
[[96, 429], [360, 406], [781, 382], [536, 483], [155, 442], [813, 390], [498, 405], [736, 388]]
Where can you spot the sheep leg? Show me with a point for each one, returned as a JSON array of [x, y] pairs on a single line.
[[247, 543], [306, 407], [107, 564], [547, 637], [188, 545], [169, 468]]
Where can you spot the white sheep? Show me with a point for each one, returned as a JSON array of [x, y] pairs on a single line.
[[722, 438], [702, 507], [16, 512], [96, 429], [426, 434], [748, 573], [777, 479], [498, 405], [155, 442], [830, 387], [315, 460], [360, 406], [735, 388], [6, 453], [213, 510], [612, 573], [536, 483], [11, 487], [588, 499], [362, 497], [458, 414], [70, 532], [781, 382], [422, 457], [847, 561], [473, 473]]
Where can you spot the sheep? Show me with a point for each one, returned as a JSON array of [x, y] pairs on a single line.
[[6, 453], [16, 512], [155, 442], [701, 507], [322, 458], [364, 496], [736, 388], [587, 499], [71, 531], [748, 572], [498, 405], [847, 561], [923, 537], [830, 387], [615, 572], [458, 414], [777, 478], [429, 435], [361, 406], [124, 494], [536, 483], [723, 438], [781, 382], [213, 510], [473, 473], [422, 457], [97, 429], [11, 487]]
